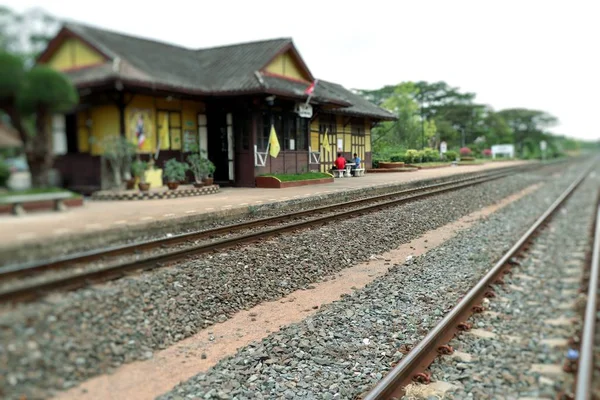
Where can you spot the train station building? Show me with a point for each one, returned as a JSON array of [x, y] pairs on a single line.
[[225, 99]]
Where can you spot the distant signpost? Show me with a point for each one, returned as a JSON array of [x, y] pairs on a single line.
[[505, 149], [543, 147]]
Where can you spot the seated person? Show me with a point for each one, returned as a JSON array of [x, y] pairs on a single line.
[[357, 161], [340, 162]]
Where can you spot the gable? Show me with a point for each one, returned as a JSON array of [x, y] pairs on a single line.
[[285, 64], [73, 53]]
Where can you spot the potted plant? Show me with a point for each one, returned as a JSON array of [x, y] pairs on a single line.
[[202, 168], [174, 172], [139, 169], [209, 169]]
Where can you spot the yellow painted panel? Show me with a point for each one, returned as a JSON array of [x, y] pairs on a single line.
[[73, 53], [83, 140], [63, 57], [276, 66], [83, 133], [84, 55], [347, 142], [163, 130], [175, 139], [314, 141], [284, 64], [367, 135], [105, 123]]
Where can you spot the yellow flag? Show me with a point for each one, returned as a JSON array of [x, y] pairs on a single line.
[[326, 145], [273, 143]]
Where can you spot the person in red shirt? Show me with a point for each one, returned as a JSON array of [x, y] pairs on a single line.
[[340, 162]]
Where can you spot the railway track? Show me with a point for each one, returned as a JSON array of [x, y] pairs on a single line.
[[414, 366], [29, 281], [585, 386]]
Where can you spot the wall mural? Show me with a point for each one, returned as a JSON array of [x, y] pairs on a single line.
[[140, 132]]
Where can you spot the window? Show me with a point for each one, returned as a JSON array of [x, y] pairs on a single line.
[[327, 123], [168, 126], [59, 135], [292, 131]]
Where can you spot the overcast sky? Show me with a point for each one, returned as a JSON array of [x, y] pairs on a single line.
[[526, 53]]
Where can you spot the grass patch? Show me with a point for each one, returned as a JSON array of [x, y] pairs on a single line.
[[431, 164], [37, 191], [299, 177]]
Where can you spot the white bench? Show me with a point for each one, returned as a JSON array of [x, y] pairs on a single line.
[[338, 173], [17, 201], [359, 172]]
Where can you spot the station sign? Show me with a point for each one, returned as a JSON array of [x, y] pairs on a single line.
[[304, 110]]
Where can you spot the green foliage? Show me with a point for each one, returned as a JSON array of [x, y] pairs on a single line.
[[200, 165], [397, 158], [412, 156], [139, 169], [451, 155], [4, 173], [46, 89], [429, 155], [174, 171], [12, 76]]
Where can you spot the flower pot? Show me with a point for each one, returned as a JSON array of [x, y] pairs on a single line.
[[144, 187], [198, 184], [207, 181], [130, 183], [172, 185]]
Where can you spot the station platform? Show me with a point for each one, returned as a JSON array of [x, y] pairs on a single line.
[[95, 216]]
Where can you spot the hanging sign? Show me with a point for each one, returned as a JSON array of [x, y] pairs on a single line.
[[443, 147], [304, 110]]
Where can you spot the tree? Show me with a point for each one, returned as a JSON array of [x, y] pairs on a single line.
[[527, 125], [30, 97], [406, 130], [26, 34]]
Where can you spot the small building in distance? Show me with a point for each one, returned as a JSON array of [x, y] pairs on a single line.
[[224, 98]]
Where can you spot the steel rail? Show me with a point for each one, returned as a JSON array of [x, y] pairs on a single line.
[[117, 270], [585, 365], [419, 358], [16, 270]]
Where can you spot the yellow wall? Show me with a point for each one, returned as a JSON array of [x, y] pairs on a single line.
[[105, 122], [74, 54], [285, 65], [367, 135]]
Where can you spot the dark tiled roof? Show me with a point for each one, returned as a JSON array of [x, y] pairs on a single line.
[[219, 70], [360, 106]]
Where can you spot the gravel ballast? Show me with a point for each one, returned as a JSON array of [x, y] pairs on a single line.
[[529, 319], [56, 343], [349, 345]]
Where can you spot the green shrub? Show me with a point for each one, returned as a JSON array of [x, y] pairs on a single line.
[[375, 163], [4, 173], [451, 155], [412, 156], [397, 158], [430, 155]]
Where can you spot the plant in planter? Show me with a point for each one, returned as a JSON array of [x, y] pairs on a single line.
[[139, 169], [174, 171], [119, 153], [202, 168]]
